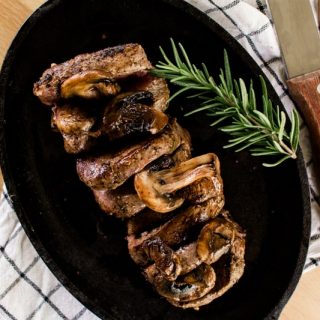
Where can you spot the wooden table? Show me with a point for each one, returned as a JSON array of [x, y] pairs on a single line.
[[305, 302]]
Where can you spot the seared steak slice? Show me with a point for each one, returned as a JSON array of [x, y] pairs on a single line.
[[145, 221], [122, 202], [116, 62], [109, 171], [177, 230]]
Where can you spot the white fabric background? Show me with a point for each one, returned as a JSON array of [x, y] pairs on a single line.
[[28, 290]]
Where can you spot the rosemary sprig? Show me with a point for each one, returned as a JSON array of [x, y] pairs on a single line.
[[261, 129]]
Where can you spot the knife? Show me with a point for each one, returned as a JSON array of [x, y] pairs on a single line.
[[300, 45]]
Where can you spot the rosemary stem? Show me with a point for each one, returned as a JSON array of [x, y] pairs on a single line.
[[261, 130]]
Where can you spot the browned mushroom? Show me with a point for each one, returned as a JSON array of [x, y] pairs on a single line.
[[130, 97], [90, 84], [134, 118], [177, 229], [193, 285], [165, 259], [216, 238], [157, 189], [229, 268], [75, 125], [185, 260], [157, 86]]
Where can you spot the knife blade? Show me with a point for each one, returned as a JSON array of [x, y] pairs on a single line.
[[299, 40]]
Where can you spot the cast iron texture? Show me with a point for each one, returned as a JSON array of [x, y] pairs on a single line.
[[87, 250]]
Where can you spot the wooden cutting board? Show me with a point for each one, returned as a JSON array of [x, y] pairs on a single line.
[[305, 302]]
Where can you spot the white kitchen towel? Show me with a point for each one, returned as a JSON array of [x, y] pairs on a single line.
[[28, 290]]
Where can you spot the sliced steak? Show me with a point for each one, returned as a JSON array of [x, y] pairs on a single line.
[[122, 202], [116, 62], [109, 171], [177, 230]]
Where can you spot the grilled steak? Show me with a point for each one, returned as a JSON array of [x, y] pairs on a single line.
[[189, 249], [109, 171], [116, 62], [177, 229], [122, 202], [145, 221]]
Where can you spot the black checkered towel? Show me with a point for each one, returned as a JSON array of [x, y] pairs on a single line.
[[28, 290]]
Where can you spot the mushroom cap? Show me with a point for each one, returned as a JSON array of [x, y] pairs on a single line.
[[193, 285], [90, 84], [158, 190]]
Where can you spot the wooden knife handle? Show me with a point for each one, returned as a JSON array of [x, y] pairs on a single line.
[[305, 91]]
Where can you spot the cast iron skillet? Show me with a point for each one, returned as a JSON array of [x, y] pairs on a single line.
[[87, 250]]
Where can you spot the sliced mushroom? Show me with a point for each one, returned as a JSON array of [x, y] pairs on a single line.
[[193, 285], [229, 268], [215, 239], [109, 171], [157, 189], [165, 259], [186, 261], [157, 86], [128, 98], [91, 84], [122, 202], [177, 229], [205, 188], [75, 125], [132, 119]]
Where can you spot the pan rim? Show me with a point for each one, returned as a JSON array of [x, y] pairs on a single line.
[[18, 207]]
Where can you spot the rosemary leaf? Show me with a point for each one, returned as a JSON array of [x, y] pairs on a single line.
[[261, 128]]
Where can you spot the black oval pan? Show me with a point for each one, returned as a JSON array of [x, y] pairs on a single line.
[[87, 250]]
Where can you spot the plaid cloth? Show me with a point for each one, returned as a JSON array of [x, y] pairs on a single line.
[[28, 290]]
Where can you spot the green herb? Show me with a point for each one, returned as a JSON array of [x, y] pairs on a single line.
[[261, 130]]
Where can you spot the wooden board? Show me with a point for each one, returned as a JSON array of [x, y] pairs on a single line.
[[305, 302]]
